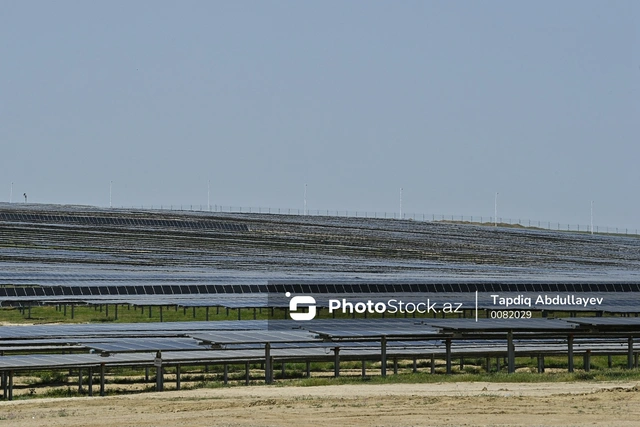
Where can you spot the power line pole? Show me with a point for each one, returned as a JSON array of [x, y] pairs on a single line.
[[592, 217], [209, 195], [400, 202], [11, 193], [495, 211], [110, 190], [304, 211]]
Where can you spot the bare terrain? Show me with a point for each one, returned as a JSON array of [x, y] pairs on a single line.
[[443, 404]]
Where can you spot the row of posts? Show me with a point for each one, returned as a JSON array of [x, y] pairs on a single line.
[[63, 307]]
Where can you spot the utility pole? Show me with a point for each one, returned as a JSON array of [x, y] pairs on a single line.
[[11, 193], [400, 202], [592, 217], [209, 195], [304, 211], [110, 189], [495, 211]]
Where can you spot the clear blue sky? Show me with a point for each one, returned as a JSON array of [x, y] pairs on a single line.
[[451, 100]]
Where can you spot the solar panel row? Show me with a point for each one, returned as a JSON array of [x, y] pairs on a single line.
[[46, 291], [120, 221], [452, 287]]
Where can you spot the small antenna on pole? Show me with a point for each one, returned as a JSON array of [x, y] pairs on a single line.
[[495, 212], [592, 217], [25, 197], [400, 202], [11, 193], [305, 199], [110, 188], [208, 195]]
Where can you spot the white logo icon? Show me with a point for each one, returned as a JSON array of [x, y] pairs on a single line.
[[301, 300]]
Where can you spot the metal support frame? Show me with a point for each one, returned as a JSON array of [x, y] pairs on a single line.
[[448, 346], [630, 353], [336, 363]]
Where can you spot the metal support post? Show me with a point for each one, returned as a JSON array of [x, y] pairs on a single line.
[[102, 379], [587, 361], [90, 385], [10, 385], [511, 358], [570, 351], [383, 356], [177, 377], [268, 372]]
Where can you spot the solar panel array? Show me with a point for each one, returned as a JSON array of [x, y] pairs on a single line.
[[120, 221], [449, 286], [244, 341], [123, 290]]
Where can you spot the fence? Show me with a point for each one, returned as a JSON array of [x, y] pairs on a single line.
[[460, 219]]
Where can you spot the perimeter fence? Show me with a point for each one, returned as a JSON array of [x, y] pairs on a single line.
[[444, 218]]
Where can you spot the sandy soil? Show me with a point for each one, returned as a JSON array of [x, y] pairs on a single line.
[[445, 404]]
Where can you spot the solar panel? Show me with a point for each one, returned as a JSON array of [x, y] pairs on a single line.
[[147, 344], [488, 325], [255, 337]]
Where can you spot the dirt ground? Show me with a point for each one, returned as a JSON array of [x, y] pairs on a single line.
[[444, 404]]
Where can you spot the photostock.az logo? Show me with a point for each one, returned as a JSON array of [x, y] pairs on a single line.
[[302, 300]]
